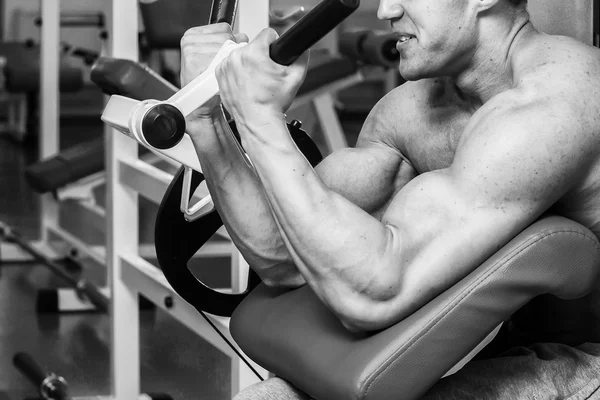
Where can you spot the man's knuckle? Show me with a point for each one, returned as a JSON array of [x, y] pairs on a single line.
[[222, 27]]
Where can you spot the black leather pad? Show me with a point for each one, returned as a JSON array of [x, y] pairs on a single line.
[[293, 335]]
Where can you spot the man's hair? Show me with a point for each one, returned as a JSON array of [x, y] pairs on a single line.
[[518, 3]]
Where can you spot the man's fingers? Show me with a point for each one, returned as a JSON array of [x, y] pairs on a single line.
[[214, 33], [301, 62], [267, 36], [221, 27], [241, 38]]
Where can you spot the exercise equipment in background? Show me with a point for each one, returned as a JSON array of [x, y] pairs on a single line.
[[20, 73], [78, 19], [369, 47], [49, 302], [176, 239], [48, 385], [20, 78], [51, 386]]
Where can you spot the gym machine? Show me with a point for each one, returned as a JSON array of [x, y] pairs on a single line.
[[83, 288], [51, 386], [74, 174], [131, 274], [20, 73], [293, 335], [160, 126]]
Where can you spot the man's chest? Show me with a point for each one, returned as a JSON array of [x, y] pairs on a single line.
[[432, 143]]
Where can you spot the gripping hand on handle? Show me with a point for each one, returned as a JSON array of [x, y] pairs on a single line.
[[199, 45], [254, 88]]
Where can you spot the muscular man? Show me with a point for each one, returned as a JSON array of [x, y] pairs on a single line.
[[497, 124]]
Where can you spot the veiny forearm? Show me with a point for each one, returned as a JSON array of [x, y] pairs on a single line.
[[341, 250], [240, 199]]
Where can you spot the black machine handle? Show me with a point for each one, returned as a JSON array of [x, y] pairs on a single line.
[[311, 28], [28, 367], [50, 386], [321, 20], [223, 11]]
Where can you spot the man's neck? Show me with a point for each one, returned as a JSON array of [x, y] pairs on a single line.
[[491, 71]]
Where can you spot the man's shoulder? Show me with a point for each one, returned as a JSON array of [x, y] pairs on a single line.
[[406, 108], [558, 65], [421, 119], [558, 78]]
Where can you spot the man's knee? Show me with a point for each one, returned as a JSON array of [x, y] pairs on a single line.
[[271, 389]]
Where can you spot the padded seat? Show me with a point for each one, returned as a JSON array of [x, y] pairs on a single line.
[[294, 336], [68, 166], [130, 79], [22, 70]]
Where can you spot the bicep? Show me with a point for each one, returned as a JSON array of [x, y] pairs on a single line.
[[446, 223], [438, 236], [368, 175], [371, 174]]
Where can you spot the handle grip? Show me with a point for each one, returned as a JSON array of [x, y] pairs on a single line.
[[310, 29], [28, 367], [223, 11]]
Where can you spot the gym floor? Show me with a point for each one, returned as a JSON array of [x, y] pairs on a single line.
[[76, 346]]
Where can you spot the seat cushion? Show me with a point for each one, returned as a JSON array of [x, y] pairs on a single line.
[[130, 79], [293, 335]]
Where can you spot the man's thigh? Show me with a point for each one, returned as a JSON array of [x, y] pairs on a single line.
[[538, 372], [271, 389]]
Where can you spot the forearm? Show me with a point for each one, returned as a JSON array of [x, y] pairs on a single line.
[[339, 248], [239, 197]]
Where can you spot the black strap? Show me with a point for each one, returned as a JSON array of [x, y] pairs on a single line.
[[223, 11]]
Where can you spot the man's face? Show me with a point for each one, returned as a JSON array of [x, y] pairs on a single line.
[[436, 37]]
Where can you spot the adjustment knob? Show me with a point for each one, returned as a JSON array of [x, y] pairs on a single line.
[[163, 126]]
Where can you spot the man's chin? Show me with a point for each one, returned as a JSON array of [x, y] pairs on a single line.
[[411, 75]]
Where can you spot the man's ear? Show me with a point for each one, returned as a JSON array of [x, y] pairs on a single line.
[[484, 5]]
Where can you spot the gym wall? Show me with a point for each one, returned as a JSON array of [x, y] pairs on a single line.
[[559, 17]]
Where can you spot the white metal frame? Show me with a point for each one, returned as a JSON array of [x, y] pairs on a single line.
[[127, 177], [129, 273]]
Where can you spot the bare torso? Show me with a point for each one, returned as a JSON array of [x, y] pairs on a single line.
[[439, 118], [438, 121]]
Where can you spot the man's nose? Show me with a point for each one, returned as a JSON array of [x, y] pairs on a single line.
[[390, 9]]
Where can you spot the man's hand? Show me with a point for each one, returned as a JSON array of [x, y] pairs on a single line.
[[199, 45], [254, 88]]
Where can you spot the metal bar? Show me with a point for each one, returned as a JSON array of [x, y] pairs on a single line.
[[149, 281], [49, 101], [253, 17], [122, 221], [331, 87], [81, 285], [70, 301], [144, 178], [223, 11], [82, 247], [13, 253], [77, 20], [330, 124]]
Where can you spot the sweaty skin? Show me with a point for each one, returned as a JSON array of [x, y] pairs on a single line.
[[483, 139]]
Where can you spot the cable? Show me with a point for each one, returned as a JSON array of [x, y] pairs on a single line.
[[231, 345]]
